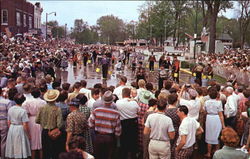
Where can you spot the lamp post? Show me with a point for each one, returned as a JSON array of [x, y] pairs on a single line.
[[195, 35], [46, 32], [65, 31], [165, 31]]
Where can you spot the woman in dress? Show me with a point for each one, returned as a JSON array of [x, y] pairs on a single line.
[[17, 144], [32, 107], [214, 121], [171, 112]]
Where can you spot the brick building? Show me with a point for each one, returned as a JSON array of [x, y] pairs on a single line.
[[17, 16]]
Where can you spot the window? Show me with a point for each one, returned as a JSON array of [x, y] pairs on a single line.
[[18, 19], [4, 17], [24, 20], [30, 22]]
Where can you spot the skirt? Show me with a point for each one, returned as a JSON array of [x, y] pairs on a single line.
[[17, 143], [213, 129]]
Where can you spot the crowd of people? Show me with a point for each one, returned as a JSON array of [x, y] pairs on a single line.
[[231, 58], [41, 117]]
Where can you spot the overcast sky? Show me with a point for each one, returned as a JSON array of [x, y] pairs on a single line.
[[90, 11]]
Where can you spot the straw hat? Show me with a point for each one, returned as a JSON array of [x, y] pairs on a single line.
[[51, 95]]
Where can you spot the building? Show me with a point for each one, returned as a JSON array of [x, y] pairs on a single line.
[[17, 16], [37, 15]]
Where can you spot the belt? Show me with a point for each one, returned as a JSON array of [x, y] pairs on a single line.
[[3, 119], [212, 114], [160, 140], [16, 124], [104, 133]]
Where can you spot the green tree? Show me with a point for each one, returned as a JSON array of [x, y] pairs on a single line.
[[112, 29], [56, 30]]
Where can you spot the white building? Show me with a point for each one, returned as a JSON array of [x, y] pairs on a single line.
[[37, 15]]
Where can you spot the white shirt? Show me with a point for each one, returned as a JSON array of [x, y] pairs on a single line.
[[193, 107], [86, 92], [90, 103], [188, 127], [231, 106], [118, 91], [128, 108], [160, 125]]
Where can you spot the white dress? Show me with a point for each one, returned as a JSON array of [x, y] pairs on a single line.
[[17, 143], [213, 123]]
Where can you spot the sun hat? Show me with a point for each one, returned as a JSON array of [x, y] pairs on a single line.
[[108, 97], [51, 95], [144, 97]]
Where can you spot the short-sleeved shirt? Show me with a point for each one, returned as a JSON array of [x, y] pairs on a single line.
[[160, 125], [76, 123], [213, 106], [193, 107], [188, 127], [17, 115], [127, 108]]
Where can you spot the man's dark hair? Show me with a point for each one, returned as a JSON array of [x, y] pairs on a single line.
[[77, 142], [84, 83], [12, 92], [62, 96], [246, 93], [65, 86], [83, 99], [172, 98], [162, 103], [152, 102], [36, 92], [168, 84], [19, 98], [77, 85], [172, 90], [126, 92], [123, 79], [43, 88], [149, 86], [183, 109], [95, 91], [27, 87], [56, 83], [98, 85]]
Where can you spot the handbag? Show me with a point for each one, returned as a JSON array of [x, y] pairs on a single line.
[[54, 133]]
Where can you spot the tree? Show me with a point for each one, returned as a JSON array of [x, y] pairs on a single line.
[[213, 8], [111, 28], [244, 19], [84, 34], [56, 30]]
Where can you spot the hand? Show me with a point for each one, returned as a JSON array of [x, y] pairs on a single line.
[[177, 149], [67, 148]]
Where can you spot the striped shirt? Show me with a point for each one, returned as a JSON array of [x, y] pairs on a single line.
[[5, 104], [106, 120]]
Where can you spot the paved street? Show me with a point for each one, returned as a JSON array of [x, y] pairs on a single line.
[[73, 74]]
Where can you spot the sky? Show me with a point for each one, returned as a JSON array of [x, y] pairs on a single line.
[[90, 11], [68, 10]]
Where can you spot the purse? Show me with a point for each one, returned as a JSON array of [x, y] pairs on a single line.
[[54, 133]]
